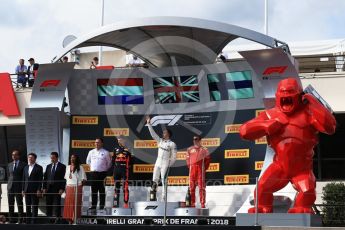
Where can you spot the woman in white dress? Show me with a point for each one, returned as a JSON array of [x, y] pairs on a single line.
[[75, 178]]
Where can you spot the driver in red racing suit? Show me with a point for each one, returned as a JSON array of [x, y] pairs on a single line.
[[198, 161]]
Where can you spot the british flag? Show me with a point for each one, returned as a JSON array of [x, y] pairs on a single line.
[[175, 89]]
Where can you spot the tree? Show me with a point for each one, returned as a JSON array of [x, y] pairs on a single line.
[[333, 209]]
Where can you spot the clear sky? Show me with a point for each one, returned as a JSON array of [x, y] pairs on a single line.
[[36, 28]]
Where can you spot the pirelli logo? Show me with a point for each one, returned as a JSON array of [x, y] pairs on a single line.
[[261, 141], [145, 144], [259, 165], [113, 132], [83, 120], [83, 144], [257, 112], [236, 179], [214, 167], [236, 153], [181, 155], [234, 128], [178, 180], [143, 168], [210, 142]]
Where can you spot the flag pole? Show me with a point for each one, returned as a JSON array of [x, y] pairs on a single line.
[[266, 18], [102, 23]]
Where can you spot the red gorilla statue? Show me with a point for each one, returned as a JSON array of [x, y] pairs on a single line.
[[291, 128]]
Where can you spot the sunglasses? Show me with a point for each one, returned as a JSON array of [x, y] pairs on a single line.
[[196, 139]]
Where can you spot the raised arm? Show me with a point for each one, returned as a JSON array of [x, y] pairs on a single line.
[[152, 132], [321, 118]]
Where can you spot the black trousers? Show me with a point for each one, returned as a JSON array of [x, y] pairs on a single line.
[[11, 198], [31, 201], [97, 185], [31, 82], [121, 173], [53, 203]]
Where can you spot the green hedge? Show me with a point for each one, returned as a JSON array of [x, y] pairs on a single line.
[[333, 209]]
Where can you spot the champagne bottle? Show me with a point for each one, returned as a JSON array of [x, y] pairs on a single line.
[[153, 195], [116, 201], [188, 198]]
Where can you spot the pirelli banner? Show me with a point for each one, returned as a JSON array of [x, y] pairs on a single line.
[[233, 160]]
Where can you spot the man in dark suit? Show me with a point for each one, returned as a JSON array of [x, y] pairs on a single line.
[[33, 177], [54, 185], [15, 171]]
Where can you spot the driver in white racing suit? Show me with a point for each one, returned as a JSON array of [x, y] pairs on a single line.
[[166, 156]]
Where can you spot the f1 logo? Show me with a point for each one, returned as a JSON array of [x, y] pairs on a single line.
[[153, 207], [170, 120], [50, 83], [275, 69]]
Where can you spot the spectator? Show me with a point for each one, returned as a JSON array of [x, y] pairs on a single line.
[[2, 219], [100, 161], [32, 185], [15, 171], [54, 185], [94, 63], [134, 61], [75, 178], [223, 57], [32, 71], [65, 59], [21, 70]]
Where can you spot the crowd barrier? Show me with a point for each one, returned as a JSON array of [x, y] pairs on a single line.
[[221, 201]]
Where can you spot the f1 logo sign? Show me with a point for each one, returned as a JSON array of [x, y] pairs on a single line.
[[8, 100], [274, 69], [170, 120], [50, 83], [153, 207]]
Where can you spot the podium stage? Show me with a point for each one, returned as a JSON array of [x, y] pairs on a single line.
[[152, 213]]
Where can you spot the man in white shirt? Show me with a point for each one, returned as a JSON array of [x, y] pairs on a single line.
[[32, 70], [100, 161], [134, 61], [21, 70], [166, 157]]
